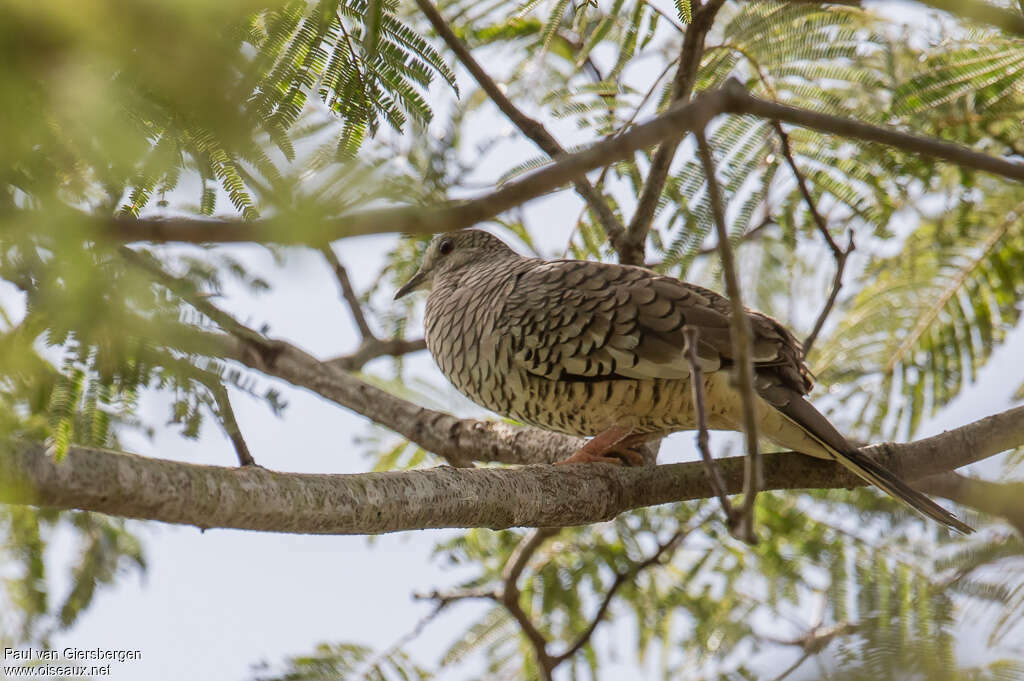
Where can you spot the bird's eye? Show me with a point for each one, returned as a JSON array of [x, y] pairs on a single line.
[[446, 247]]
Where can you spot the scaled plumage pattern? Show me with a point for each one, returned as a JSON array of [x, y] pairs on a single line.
[[596, 349]]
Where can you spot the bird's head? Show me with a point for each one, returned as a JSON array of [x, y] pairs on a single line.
[[452, 251]]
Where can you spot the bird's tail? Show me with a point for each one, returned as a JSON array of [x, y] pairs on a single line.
[[812, 423], [872, 472]]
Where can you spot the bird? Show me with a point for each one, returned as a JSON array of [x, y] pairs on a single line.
[[597, 350]]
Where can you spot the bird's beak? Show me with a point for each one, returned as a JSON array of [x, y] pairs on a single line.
[[411, 285]]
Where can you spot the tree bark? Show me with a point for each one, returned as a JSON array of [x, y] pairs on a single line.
[[252, 498]]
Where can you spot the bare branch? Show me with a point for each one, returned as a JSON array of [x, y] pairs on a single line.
[[533, 496], [445, 598], [840, 255], [523, 553], [837, 283], [741, 345], [530, 127], [801, 183], [671, 125], [509, 596], [749, 235], [392, 347], [793, 667], [663, 553], [632, 249], [742, 102], [690, 336], [187, 291], [230, 424], [1001, 499], [348, 293], [441, 433]]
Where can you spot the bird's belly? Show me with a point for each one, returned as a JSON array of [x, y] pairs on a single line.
[[585, 408]]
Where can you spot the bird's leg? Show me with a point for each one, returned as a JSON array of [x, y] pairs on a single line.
[[610, 446]]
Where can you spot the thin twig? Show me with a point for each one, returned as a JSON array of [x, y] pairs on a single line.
[[690, 339], [801, 182], [509, 596], [680, 28], [690, 55], [741, 344], [522, 554], [403, 641], [348, 293], [837, 283], [392, 347], [188, 292], [663, 551], [230, 424], [448, 597], [793, 667], [530, 127], [748, 235], [840, 255]]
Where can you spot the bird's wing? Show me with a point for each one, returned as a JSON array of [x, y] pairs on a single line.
[[575, 320], [570, 319]]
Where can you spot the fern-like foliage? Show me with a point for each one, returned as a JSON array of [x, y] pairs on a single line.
[[889, 603], [928, 318]]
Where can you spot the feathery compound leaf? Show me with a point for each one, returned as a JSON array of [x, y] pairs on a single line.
[[933, 314], [992, 72], [684, 10]]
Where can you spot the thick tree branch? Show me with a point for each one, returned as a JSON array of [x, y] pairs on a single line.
[[631, 250], [673, 124], [441, 433], [530, 127], [537, 496], [742, 349]]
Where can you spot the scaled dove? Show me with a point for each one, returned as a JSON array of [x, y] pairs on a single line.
[[596, 349]]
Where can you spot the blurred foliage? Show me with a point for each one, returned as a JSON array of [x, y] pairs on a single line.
[[298, 110], [330, 662]]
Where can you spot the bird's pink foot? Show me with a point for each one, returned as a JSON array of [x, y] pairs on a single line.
[[615, 445]]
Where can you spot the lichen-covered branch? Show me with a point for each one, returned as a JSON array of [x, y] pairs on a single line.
[[536, 496]]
